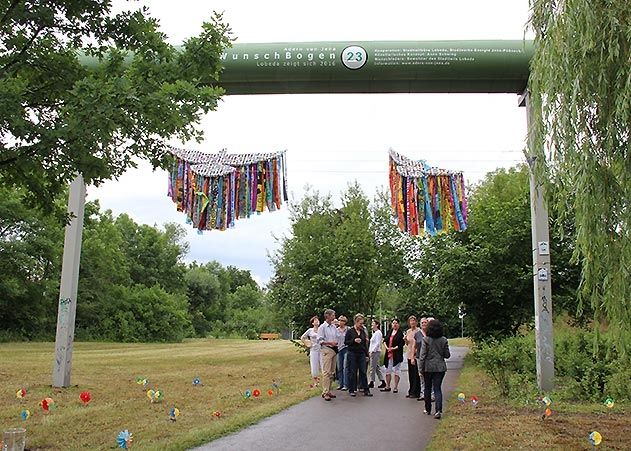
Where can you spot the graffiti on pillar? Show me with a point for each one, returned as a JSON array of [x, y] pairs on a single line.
[[544, 304]]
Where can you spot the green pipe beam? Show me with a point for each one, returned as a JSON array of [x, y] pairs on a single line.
[[375, 67]]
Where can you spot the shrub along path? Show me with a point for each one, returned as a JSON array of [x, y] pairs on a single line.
[[385, 420]]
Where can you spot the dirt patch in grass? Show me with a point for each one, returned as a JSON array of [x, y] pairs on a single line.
[[496, 424], [226, 368]]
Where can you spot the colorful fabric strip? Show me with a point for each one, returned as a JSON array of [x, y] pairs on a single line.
[[214, 190], [425, 198]]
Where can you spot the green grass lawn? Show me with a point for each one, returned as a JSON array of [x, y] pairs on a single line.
[[108, 371], [497, 423]]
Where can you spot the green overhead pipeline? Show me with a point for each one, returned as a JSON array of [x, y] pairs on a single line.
[[378, 67], [375, 67]]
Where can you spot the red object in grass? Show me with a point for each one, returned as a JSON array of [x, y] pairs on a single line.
[[270, 393], [256, 393], [85, 397], [216, 414], [47, 404]]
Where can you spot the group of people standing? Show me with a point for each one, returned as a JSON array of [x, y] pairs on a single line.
[[345, 353]]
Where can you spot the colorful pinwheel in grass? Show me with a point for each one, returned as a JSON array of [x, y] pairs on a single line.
[[256, 393], [609, 403], [85, 397], [595, 438], [216, 414], [461, 397], [141, 380], [125, 439], [155, 395], [25, 415], [474, 400], [21, 393], [247, 394], [197, 382], [174, 413], [547, 413], [47, 404]]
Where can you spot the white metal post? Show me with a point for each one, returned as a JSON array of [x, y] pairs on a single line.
[[69, 283], [541, 267]]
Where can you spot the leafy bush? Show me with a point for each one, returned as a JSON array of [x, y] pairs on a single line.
[[587, 366], [141, 314], [505, 358], [618, 384], [587, 361]]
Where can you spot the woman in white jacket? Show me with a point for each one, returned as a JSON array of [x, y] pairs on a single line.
[[310, 339], [374, 352]]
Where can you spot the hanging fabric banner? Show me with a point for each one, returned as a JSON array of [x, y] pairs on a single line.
[[425, 198], [214, 190]]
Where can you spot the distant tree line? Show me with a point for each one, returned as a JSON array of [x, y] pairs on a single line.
[[133, 285]]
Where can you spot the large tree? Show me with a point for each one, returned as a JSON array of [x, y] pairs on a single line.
[[30, 250], [86, 91], [329, 261], [581, 93]]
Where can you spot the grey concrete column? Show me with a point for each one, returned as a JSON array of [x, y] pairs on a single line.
[[542, 274], [69, 284]]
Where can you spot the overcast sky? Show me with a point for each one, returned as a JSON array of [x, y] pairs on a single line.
[[333, 139]]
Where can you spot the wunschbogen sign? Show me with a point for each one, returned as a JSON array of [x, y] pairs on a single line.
[[390, 66]]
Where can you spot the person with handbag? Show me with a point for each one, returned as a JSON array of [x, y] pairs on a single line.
[[434, 351]]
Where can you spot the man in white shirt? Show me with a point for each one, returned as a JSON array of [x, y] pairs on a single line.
[[374, 351], [328, 339]]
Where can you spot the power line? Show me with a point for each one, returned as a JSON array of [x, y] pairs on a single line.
[[442, 151], [385, 160], [385, 171]]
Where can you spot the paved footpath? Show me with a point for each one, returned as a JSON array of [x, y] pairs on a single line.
[[385, 420]]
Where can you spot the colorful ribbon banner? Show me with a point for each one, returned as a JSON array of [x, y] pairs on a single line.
[[214, 190], [426, 198]]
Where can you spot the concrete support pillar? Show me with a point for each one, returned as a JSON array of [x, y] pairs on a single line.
[[69, 284], [542, 274]]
